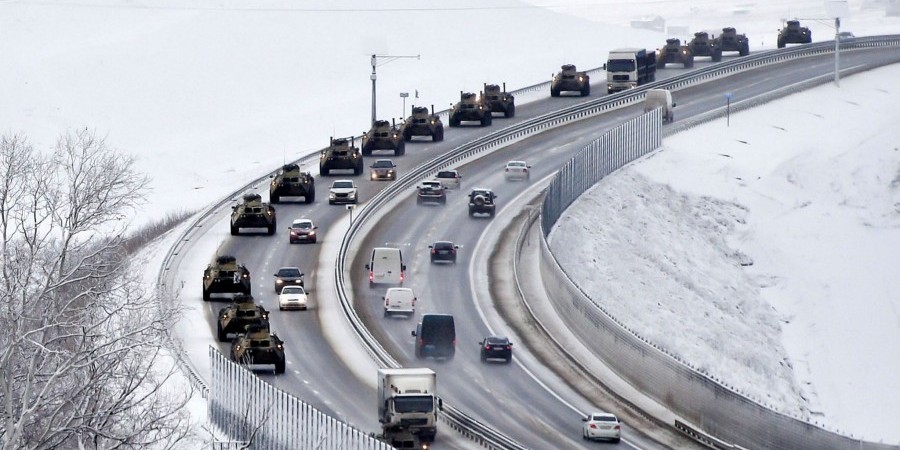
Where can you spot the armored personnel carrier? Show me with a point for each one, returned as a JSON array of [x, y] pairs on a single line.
[[243, 311], [341, 154], [258, 346], [674, 52], [225, 275], [252, 212], [793, 33], [500, 101], [291, 182], [423, 123], [702, 45], [383, 135], [470, 107], [731, 41], [570, 79]]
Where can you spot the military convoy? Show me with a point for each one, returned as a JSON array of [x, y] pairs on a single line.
[[243, 311], [225, 276], [383, 135], [258, 346], [570, 79], [291, 182], [252, 212], [674, 52], [793, 33], [731, 41], [341, 154], [423, 123], [703, 45], [500, 101], [470, 108]]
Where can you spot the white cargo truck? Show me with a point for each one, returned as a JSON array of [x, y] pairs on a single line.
[[407, 402], [628, 68]]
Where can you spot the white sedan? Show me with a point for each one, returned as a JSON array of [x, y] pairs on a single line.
[[600, 425], [517, 170], [293, 297]]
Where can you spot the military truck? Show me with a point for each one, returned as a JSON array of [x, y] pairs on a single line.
[[252, 212], [291, 182], [341, 154], [383, 135], [481, 201], [500, 101], [628, 68], [702, 45], [731, 41], [258, 346], [471, 108], [793, 33], [423, 123], [243, 311], [570, 79], [674, 52], [225, 275]]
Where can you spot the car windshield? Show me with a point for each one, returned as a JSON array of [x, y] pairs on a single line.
[[414, 403], [605, 419], [302, 225], [292, 290], [431, 185], [342, 184], [620, 65], [289, 272], [446, 174], [516, 164], [443, 245], [383, 164], [497, 341]]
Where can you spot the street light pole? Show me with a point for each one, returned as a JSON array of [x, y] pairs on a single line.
[[837, 51], [403, 95], [373, 77]]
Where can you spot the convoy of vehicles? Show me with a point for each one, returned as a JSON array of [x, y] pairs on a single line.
[[408, 405], [628, 68]]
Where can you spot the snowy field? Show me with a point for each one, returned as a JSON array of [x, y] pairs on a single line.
[[209, 95], [807, 190]]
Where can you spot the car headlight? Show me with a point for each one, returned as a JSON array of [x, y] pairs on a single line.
[[331, 195], [352, 195], [279, 281]]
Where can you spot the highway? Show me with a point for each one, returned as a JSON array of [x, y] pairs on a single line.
[[539, 414]]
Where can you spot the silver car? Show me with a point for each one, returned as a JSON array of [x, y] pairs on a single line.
[[601, 425], [383, 169], [517, 170]]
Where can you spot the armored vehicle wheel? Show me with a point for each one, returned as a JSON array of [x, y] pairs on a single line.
[[324, 170], [486, 120], [367, 149], [310, 195], [454, 121], [586, 90], [274, 198], [235, 230], [279, 366], [438, 134], [717, 56], [688, 63], [358, 169], [222, 335], [271, 229], [206, 295], [407, 136], [745, 50], [510, 112], [554, 92], [401, 149], [780, 43]]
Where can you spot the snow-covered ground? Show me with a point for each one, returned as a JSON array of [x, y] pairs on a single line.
[[209, 95], [807, 189]]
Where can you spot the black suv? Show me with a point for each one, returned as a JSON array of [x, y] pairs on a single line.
[[443, 251], [496, 347], [435, 336], [481, 201]]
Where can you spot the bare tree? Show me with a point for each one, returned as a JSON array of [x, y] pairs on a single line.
[[80, 347]]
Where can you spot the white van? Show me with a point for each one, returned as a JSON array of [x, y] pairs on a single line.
[[399, 301], [660, 98], [386, 266]]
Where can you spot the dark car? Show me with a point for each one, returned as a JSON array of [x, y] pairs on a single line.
[[287, 276], [435, 336], [303, 230], [496, 347], [443, 251]]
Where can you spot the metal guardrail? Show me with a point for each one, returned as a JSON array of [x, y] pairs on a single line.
[[457, 418]]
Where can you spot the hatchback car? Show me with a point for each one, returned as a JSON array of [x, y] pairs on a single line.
[[383, 169], [600, 425], [496, 347], [449, 178], [293, 297], [302, 230], [288, 276], [517, 170], [443, 251]]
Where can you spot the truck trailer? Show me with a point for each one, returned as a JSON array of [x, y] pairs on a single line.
[[407, 402], [628, 68]]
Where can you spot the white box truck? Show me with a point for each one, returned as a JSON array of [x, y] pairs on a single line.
[[628, 68], [407, 402]]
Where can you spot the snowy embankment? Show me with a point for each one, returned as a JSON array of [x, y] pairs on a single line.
[[764, 252]]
